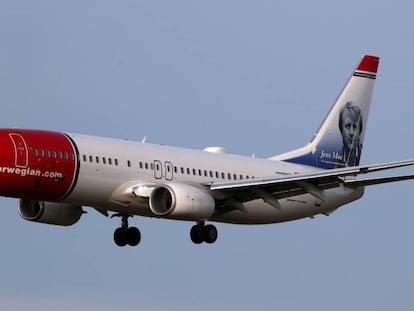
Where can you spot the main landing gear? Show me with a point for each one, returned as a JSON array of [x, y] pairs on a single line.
[[203, 233], [126, 235]]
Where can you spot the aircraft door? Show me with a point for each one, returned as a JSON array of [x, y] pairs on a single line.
[[157, 169], [168, 170], [20, 150]]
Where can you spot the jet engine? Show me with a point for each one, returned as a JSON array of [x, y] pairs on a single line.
[[181, 201], [49, 212]]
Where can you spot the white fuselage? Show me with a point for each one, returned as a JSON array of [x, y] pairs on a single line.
[[109, 166]]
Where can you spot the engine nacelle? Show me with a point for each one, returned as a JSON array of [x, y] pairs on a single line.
[[49, 212], [181, 201]]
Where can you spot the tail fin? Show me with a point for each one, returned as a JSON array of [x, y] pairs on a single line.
[[340, 138]]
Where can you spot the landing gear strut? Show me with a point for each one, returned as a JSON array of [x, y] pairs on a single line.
[[203, 233], [126, 235]]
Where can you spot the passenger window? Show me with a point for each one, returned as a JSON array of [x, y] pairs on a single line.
[[103, 160], [116, 161], [182, 170], [199, 172], [35, 152], [129, 163], [146, 165], [42, 153], [48, 153], [188, 171], [90, 158], [110, 161], [223, 176], [60, 155], [229, 175], [97, 159]]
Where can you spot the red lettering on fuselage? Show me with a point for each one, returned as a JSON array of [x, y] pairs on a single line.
[[39, 165]]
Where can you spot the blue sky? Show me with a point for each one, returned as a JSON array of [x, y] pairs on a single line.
[[252, 76]]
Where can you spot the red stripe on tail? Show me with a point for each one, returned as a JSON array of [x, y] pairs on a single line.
[[369, 63]]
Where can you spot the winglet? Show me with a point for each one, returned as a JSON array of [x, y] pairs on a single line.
[[369, 63]]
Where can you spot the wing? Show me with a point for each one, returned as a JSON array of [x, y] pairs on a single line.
[[233, 194]]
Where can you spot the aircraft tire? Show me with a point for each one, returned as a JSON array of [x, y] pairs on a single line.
[[210, 234], [133, 236], [196, 234], [120, 237]]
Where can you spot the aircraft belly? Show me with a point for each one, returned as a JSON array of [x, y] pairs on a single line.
[[259, 212]]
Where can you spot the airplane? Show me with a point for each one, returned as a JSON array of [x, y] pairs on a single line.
[[56, 175]]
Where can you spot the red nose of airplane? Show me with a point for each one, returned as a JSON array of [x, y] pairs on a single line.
[[40, 165]]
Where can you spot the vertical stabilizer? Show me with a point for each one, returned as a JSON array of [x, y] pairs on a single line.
[[340, 138]]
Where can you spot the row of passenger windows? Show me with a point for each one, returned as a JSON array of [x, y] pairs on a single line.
[[53, 154], [211, 174], [97, 159], [142, 165], [168, 167]]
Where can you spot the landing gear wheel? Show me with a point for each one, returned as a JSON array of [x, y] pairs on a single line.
[[210, 234], [120, 237], [133, 236], [196, 234]]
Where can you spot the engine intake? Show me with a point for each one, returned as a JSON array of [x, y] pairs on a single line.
[[181, 201], [49, 212]]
